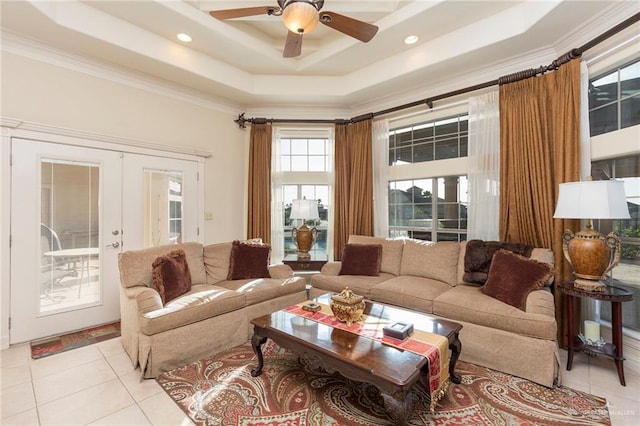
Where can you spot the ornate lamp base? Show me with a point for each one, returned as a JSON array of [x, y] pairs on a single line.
[[589, 285]]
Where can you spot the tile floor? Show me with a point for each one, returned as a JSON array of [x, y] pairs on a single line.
[[96, 385]]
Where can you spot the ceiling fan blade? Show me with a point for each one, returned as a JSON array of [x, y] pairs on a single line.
[[293, 45], [363, 31], [242, 12]]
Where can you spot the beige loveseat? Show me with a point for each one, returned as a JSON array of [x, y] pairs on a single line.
[[214, 315], [428, 277]]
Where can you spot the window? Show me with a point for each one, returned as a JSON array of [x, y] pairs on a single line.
[[626, 169], [310, 192], [304, 155], [433, 209], [425, 202], [305, 172], [435, 140], [614, 99]]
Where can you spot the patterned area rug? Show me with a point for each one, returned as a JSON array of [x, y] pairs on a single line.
[[219, 390], [54, 345]]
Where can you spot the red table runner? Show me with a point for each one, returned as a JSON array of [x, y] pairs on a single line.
[[432, 346]]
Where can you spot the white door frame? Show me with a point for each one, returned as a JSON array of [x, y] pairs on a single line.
[[10, 128]]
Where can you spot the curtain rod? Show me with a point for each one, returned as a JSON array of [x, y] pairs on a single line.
[[510, 78]]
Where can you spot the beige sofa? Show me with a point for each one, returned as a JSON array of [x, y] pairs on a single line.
[[214, 315], [429, 278]]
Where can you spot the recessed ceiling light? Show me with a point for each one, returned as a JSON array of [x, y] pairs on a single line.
[[411, 39], [184, 37]]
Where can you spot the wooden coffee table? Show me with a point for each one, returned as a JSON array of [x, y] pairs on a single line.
[[393, 371]]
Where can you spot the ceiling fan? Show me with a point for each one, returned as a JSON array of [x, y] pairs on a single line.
[[301, 17]]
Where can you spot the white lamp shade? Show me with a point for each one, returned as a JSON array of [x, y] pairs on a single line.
[[300, 16], [304, 209], [598, 199]]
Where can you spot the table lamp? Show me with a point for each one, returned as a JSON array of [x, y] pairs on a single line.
[[302, 236], [590, 253]]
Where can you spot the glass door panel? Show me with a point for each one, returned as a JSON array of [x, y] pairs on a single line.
[[69, 230], [162, 207]]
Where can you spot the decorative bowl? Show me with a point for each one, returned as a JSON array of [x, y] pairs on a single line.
[[347, 307]]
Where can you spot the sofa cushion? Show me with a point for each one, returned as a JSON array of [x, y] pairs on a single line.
[[359, 284], [478, 256], [249, 260], [263, 289], [136, 265], [361, 259], [438, 261], [171, 276], [202, 302], [512, 277], [409, 292], [216, 261], [391, 251], [467, 303]]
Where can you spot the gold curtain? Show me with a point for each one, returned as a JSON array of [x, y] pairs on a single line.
[[353, 201], [540, 142], [259, 191]]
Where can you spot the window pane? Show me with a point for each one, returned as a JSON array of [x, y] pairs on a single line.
[[317, 164], [630, 80], [603, 120], [299, 146], [404, 156], [423, 152], [317, 146], [299, 163], [603, 91], [423, 132], [630, 112], [392, 140], [464, 146], [285, 146], [447, 148], [308, 192], [404, 138]]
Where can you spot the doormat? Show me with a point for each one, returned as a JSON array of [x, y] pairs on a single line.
[[55, 345]]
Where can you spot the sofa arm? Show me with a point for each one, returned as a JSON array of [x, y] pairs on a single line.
[[280, 271], [148, 300], [541, 302], [331, 268]]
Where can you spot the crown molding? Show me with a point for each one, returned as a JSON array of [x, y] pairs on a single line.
[[19, 128], [18, 45], [532, 59], [593, 28]]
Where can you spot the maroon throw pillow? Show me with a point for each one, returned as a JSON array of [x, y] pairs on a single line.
[[361, 259], [512, 277], [249, 260], [171, 276]]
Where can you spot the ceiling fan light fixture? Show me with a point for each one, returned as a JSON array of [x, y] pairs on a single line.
[[300, 16]]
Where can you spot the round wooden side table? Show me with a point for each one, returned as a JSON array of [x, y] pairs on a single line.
[[614, 295]]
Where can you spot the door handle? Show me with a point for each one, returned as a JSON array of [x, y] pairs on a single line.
[[114, 244]]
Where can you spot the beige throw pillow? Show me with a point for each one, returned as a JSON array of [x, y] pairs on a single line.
[[438, 261]]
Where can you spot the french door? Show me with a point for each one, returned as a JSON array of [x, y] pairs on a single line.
[[73, 210]]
